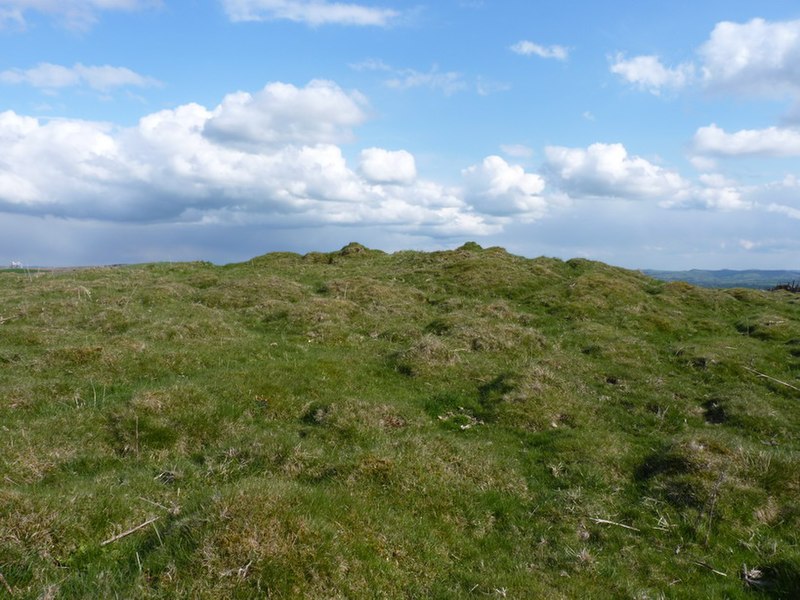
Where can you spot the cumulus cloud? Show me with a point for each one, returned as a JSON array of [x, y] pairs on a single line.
[[753, 58], [199, 165], [528, 48], [310, 12], [606, 170], [757, 57], [648, 73], [76, 14], [772, 141], [495, 187], [385, 166], [725, 198], [102, 78], [281, 113]]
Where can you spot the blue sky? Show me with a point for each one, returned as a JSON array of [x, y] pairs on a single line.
[[660, 135]]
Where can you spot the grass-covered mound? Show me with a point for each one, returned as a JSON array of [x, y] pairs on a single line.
[[358, 424]]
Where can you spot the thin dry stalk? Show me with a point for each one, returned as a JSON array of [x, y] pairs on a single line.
[[714, 498], [760, 374], [119, 536], [607, 522], [709, 567], [5, 585]]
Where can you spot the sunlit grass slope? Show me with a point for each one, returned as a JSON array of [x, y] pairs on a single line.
[[357, 424]]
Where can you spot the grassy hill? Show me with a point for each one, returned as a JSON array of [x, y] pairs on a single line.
[[356, 424]]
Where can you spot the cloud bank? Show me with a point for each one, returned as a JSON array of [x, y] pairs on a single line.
[[274, 158], [270, 157]]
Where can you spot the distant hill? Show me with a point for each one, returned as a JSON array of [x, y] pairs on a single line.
[[727, 278]]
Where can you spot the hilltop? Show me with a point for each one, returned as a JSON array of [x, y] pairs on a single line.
[[465, 423]]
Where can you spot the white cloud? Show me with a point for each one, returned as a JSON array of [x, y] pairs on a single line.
[[11, 16], [281, 113], [249, 160], [648, 73], [716, 180], [772, 141], [449, 82], [606, 170], [103, 78], [720, 192], [748, 244], [496, 188], [76, 14], [791, 212], [703, 163], [528, 48], [44, 75], [725, 198], [517, 150], [487, 87], [385, 166], [757, 57], [370, 64], [310, 12]]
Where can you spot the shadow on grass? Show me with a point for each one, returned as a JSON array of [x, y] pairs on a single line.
[[779, 580]]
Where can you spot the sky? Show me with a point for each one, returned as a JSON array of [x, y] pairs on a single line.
[[659, 134]]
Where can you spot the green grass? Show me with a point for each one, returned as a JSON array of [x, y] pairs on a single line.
[[357, 424]]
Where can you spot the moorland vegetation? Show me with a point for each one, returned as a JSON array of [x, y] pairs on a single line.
[[356, 424]]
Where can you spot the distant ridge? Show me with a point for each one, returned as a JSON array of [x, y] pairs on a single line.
[[728, 278]]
